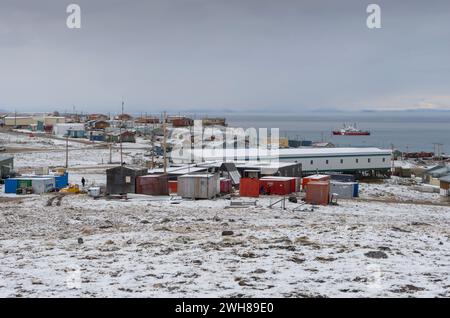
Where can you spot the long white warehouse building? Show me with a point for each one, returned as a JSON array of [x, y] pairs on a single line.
[[346, 160]]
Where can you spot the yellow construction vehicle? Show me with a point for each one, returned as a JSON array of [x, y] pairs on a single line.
[[71, 189]]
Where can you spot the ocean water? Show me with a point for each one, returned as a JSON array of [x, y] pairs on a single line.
[[406, 131]]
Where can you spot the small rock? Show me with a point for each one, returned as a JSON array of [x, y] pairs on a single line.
[[227, 233], [259, 271], [293, 199], [248, 255], [80, 240], [325, 259], [109, 242], [36, 281], [145, 222], [376, 254], [106, 225], [397, 229], [297, 260]]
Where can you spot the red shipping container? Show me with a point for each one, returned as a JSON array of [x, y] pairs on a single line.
[[152, 185], [318, 192], [277, 186], [225, 185], [173, 186], [249, 187], [315, 178]]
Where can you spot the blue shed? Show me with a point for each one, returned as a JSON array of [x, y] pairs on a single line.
[[356, 190], [97, 137], [11, 185], [61, 181]]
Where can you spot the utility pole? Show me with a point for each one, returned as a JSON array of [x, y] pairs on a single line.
[[120, 136], [392, 158], [110, 153], [153, 149], [164, 142], [67, 151]]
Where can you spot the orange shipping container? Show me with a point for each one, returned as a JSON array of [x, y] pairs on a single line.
[[317, 192], [249, 187], [173, 186], [277, 186], [315, 177], [152, 185]]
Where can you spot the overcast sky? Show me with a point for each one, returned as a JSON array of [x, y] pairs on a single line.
[[237, 55]]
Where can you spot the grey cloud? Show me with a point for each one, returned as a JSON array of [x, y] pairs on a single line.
[[218, 54]]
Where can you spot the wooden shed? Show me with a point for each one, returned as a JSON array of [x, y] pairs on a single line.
[[122, 179]]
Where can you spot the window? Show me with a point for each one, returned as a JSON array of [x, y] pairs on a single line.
[[342, 161], [384, 159], [357, 160], [326, 161], [368, 160], [312, 162]]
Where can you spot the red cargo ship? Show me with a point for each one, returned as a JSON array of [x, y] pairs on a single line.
[[351, 131]]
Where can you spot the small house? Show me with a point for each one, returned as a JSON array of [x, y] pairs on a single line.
[[445, 186], [76, 133], [6, 166], [179, 121], [125, 136], [122, 179], [218, 121], [96, 135], [432, 176], [123, 117], [62, 129], [97, 117], [101, 124]]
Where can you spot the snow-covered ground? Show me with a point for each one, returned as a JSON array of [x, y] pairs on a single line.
[[153, 247], [41, 151], [37, 141], [143, 248], [393, 190]]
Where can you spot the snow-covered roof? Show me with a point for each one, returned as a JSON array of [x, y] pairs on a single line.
[[4, 157], [445, 179], [250, 164], [310, 152], [438, 171], [179, 170], [297, 153]]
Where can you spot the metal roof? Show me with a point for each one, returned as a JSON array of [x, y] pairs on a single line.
[[130, 167], [438, 171], [290, 153], [5, 157], [445, 179]]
